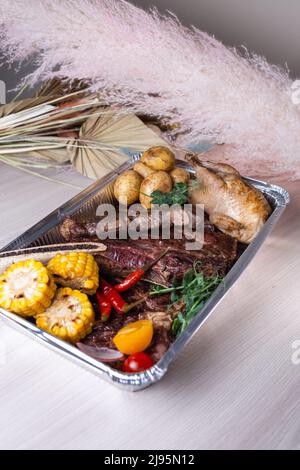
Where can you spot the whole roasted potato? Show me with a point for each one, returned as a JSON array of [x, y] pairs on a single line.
[[127, 187], [159, 158], [143, 169], [179, 175], [157, 181]]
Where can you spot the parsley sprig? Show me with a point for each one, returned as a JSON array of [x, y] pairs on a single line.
[[178, 195]]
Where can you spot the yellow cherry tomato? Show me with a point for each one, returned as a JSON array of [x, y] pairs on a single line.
[[135, 337]]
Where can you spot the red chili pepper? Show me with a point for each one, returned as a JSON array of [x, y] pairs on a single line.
[[130, 280], [104, 305], [113, 296], [118, 303], [137, 275]]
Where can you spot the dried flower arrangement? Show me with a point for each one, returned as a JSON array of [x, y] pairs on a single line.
[[151, 64], [56, 128]]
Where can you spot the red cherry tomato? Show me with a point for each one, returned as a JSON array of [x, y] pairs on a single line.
[[137, 362]]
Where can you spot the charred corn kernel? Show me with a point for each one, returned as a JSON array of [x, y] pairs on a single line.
[[75, 270], [70, 317], [26, 288]]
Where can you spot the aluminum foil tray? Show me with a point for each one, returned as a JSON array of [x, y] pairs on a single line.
[[83, 206]]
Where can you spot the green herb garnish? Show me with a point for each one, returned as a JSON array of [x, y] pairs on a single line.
[[192, 293], [178, 195]]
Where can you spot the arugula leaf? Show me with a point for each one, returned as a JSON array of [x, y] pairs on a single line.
[[194, 291]]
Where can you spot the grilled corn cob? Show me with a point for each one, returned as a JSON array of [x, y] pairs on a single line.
[[76, 270], [26, 288], [70, 317]]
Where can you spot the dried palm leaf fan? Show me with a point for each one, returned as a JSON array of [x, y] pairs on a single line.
[[53, 88], [17, 106], [26, 153], [50, 89], [64, 124], [119, 136]]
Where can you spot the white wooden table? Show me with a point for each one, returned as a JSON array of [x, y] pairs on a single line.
[[235, 385]]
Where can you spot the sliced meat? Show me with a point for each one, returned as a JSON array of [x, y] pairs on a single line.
[[123, 256], [103, 332], [160, 344], [152, 303], [73, 231]]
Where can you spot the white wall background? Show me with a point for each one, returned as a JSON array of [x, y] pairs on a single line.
[[268, 27]]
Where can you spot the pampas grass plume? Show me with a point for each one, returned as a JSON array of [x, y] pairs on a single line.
[[155, 65]]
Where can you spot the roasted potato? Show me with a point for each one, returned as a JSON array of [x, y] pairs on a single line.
[[159, 158], [143, 169], [127, 187], [179, 175], [157, 181]]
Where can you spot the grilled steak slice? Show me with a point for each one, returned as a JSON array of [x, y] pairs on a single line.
[[160, 344], [103, 333], [73, 231], [141, 290], [121, 256]]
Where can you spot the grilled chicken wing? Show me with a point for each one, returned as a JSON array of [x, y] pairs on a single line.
[[233, 206]]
